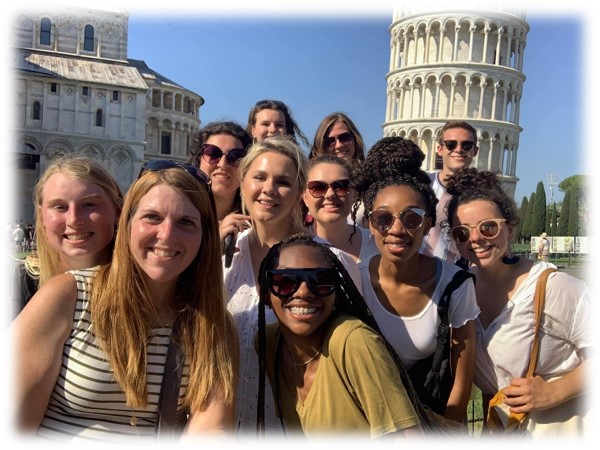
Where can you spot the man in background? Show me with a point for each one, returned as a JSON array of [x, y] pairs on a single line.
[[457, 146]]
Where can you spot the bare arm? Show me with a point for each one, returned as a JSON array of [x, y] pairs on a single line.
[[218, 417], [39, 333], [463, 366]]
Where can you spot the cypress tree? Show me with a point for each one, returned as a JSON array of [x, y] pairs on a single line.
[[539, 211], [520, 237]]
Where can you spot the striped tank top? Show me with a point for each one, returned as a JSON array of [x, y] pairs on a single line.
[[87, 404]]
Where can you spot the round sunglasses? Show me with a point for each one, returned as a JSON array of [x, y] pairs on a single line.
[[213, 154], [283, 283], [318, 189], [410, 218], [487, 228]]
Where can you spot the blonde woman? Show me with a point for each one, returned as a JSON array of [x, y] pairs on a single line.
[[91, 346], [273, 177], [77, 205]]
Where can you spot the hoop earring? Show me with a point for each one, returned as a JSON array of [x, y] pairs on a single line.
[[510, 260]]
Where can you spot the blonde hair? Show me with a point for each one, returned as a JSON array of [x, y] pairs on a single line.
[[46, 262], [123, 313], [285, 146]]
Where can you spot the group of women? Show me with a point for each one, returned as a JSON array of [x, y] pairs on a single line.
[[316, 324]]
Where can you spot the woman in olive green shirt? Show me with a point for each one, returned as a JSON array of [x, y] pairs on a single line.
[[331, 370]]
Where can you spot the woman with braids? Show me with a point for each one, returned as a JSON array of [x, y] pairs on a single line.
[[330, 369], [402, 287], [482, 219], [329, 198]]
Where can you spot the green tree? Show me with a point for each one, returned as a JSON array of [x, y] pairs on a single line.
[[520, 237], [527, 223], [563, 221], [553, 228], [577, 182], [538, 222], [573, 222]]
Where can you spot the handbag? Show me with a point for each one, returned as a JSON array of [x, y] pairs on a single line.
[[499, 418], [169, 424], [432, 377]]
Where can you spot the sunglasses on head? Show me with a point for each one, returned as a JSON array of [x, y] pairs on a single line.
[[318, 189], [410, 218], [487, 228], [157, 165], [283, 283], [344, 138], [213, 154], [467, 146]]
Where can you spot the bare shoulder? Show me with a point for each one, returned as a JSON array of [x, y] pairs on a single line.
[[52, 307]]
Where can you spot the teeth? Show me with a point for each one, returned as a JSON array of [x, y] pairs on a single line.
[[163, 253], [302, 311], [263, 202], [75, 237], [480, 250]]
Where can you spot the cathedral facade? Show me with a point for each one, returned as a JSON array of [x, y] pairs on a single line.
[[77, 92]]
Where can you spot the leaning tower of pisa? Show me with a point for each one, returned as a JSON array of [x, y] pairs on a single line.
[[458, 64]]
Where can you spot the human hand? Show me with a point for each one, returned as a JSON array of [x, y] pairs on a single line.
[[232, 224], [528, 394]]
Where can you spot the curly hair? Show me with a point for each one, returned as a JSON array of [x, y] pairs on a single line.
[[348, 300], [469, 184], [393, 161]]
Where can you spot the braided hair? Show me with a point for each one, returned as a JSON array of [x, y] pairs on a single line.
[[393, 161], [348, 300]]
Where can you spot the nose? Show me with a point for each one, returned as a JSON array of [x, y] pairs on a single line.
[[165, 230], [396, 227], [223, 161], [268, 187], [330, 192], [338, 143], [303, 290], [272, 128], [74, 216]]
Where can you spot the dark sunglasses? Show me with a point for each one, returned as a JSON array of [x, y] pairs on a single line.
[[283, 283], [318, 189], [410, 218], [157, 165], [213, 154], [487, 228], [467, 146], [344, 138]]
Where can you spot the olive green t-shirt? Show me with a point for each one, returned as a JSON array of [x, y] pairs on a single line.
[[357, 387]]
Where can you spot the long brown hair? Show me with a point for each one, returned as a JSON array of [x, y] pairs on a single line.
[[123, 313]]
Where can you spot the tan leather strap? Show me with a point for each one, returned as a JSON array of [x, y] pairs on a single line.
[[538, 308]]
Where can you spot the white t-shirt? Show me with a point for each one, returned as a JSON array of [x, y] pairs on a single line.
[[414, 338], [503, 348], [242, 292], [367, 246]]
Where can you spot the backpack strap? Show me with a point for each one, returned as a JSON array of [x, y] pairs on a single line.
[[443, 334]]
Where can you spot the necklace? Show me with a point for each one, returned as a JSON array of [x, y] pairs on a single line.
[[305, 362]]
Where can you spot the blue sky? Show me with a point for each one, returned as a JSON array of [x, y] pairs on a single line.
[[320, 64]]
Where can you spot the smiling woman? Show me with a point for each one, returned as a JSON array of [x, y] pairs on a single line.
[[110, 328], [77, 207]]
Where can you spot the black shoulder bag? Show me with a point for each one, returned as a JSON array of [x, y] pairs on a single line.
[[432, 377]]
